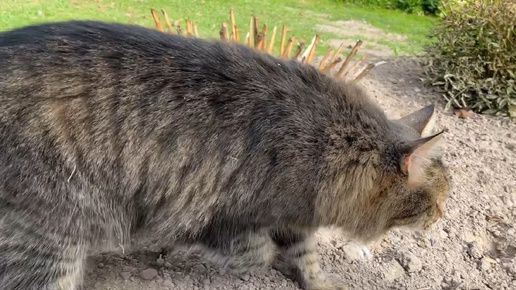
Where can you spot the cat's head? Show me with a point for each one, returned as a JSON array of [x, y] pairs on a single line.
[[405, 184], [416, 192]]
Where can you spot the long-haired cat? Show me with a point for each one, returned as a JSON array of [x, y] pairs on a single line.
[[107, 130]]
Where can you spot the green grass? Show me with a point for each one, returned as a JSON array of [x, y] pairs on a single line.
[[210, 13]]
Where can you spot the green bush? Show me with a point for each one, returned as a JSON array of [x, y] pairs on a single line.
[[473, 57], [408, 6]]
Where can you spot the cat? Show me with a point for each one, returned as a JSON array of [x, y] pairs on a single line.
[[111, 130]]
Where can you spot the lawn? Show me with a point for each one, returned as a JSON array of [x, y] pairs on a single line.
[[300, 16]]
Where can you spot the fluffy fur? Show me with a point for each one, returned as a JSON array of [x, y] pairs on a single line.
[[110, 130]]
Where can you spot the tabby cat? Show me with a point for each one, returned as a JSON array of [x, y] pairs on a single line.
[[108, 130]]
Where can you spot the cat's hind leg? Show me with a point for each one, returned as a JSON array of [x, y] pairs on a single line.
[[299, 260], [33, 258]]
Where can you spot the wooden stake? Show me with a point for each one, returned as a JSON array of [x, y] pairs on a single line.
[[264, 37], [282, 41], [232, 22], [367, 69], [156, 19], [251, 33], [271, 43], [188, 27], [325, 57], [258, 41], [223, 31], [298, 50], [287, 50], [339, 49], [167, 21], [195, 29], [352, 68], [331, 65], [237, 38], [255, 31], [349, 57], [310, 50]]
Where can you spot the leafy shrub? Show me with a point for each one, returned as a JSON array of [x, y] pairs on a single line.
[[474, 56], [431, 6]]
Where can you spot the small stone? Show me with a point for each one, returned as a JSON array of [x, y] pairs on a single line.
[[160, 262], [168, 265], [412, 264], [356, 252], [206, 281], [245, 277], [484, 265], [168, 283], [284, 283], [125, 275], [199, 268], [475, 251], [100, 265], [149, 274], [393, 271], [128, 269]]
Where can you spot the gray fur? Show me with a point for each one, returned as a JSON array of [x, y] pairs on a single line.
[[110, 131]]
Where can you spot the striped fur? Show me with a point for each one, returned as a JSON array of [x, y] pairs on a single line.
[[110, 132]]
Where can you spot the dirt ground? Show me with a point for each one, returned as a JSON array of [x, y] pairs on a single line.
[[473, 247]]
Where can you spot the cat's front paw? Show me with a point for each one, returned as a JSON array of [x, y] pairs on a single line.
[[325, 283]]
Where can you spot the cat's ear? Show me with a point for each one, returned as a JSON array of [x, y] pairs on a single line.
[[418, 156], [423, 120]]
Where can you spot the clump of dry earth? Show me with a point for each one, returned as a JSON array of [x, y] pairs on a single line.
[[473, 247]]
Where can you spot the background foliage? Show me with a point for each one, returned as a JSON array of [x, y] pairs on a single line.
[[408, 6], [473, 57]]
